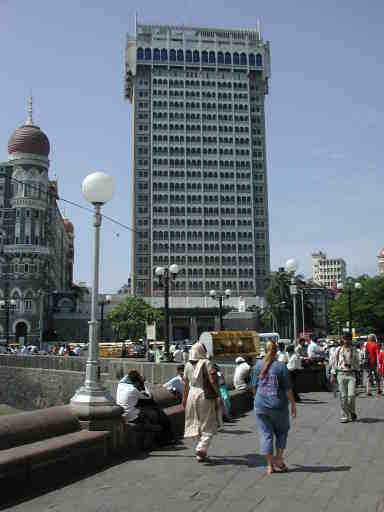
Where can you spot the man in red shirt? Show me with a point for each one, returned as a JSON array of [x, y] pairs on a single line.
[[372, 349]]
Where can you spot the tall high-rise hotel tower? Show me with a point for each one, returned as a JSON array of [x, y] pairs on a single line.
[[199, 177]]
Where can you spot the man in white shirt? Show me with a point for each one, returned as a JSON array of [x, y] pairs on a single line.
[[282, 355], [242, 374], [178, 354], [176, 384], [130, 390], [136, 399], [293, 365], [314, 351]]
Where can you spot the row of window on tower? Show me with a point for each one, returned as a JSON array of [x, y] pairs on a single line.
[[197, 57]]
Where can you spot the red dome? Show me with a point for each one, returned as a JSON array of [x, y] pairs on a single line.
[[29, 139], [68, 226]]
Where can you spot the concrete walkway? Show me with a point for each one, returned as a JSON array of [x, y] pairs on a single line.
[[334, 467]]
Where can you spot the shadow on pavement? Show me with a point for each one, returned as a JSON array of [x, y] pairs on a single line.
[[296, 468], [237, 432], [309, 401], [370, 420], [251, 460]]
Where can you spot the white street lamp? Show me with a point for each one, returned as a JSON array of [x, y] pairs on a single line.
[[292, 266], [348, 289], [220, 297], [92, 401]]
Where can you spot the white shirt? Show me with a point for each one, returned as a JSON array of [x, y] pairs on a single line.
[[175, 384], [185, 357], [241, 376], [128, 395], [294, 362], [178, 356], [282, 357], [314, 351]]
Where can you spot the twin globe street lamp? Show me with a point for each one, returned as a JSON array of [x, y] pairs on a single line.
[[92, 401], [349, 288], [220, 297], [292, 266], [165, 274]]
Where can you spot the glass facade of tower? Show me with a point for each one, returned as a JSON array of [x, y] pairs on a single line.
[[199, 180]]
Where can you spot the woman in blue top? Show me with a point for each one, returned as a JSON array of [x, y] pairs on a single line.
[[272, 389]]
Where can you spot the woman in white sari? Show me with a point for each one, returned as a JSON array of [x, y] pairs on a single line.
[[200, 412]]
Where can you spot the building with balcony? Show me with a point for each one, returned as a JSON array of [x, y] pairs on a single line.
[[36, 242], [328, 272], [199, 173]]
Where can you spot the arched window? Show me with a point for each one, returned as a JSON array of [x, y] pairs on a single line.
[[196, 56], [212, 58], [204, 57], [259, 60], [243, 59], [252, 60], [220, 58], [164, 55], [148, 54], [140, 54], [180, 55], [156, 54], [228, 59], [236, 59], [172, 55], [188, 56]]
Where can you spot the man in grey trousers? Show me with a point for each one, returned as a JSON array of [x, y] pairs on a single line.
[[345, 366]]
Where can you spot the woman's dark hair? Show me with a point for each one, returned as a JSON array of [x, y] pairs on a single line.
[[270, 351]]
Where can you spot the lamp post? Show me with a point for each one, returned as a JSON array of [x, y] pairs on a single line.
[[165, 274], [92, 401], [106, 300], [41, 317], [220, 297], [302, 310], [8, 305], [349, 289], [292, 265]]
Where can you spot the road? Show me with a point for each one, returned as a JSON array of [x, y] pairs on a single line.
[[334, 467]]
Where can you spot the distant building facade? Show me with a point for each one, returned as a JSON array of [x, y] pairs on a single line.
[[36, 242], [380, 262], [199, 171], [328, 272]]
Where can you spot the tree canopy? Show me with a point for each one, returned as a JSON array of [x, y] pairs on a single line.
[[129, 319], [367, 306]]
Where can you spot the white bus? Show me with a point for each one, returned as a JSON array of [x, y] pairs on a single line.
[[264, 337]]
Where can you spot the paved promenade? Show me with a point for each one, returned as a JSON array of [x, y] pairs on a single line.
[[334, 467]]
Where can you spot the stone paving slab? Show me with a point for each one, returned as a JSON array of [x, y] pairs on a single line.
[[334, 467]]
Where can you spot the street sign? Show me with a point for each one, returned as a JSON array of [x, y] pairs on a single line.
[[293, 289], [151, 331]]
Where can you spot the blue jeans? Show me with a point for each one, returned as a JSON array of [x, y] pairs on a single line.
[[275, 423]]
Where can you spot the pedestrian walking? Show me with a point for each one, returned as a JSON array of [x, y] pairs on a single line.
[[345, 366], [294, 366], [272, 389], [371, 364], [200, 395]]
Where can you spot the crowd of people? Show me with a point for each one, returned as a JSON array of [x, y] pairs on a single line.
[[271, 384]]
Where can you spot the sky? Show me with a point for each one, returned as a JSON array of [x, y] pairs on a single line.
[[324, 115]]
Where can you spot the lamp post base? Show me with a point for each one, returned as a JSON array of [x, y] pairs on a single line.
[[96, 410], [94, 403]]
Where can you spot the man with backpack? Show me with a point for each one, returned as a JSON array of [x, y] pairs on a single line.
[[345, 366], [370, 360]]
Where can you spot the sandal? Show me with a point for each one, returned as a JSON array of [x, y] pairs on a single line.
[[281, 468], [270, 470]]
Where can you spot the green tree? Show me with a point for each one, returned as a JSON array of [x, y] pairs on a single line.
[[367, 306], [129, 319]]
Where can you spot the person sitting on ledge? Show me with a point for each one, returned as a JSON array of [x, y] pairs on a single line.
[[176, 384], [135, 397]]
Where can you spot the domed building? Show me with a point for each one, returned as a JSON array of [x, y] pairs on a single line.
[[36, 242]]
